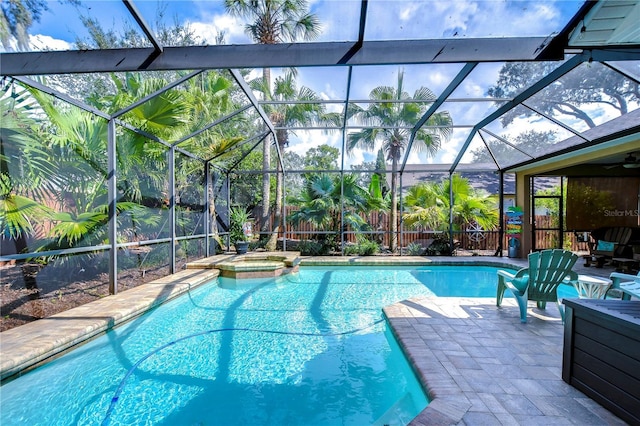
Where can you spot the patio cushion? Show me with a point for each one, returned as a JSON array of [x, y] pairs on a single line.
[[606, 245]]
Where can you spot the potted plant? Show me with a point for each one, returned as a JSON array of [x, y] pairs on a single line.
[[240, 229]]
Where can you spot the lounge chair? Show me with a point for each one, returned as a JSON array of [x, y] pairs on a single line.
[[628, 285], [539, 282]]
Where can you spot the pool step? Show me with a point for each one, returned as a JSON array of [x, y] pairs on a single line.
[[400, 413]]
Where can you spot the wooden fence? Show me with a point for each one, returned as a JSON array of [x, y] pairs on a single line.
[[468, 239]]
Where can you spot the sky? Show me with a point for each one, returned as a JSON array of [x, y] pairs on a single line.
[[386, 20], [339, 18]]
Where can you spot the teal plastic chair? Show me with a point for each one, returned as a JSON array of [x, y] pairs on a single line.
[[539, 282], [627, 284]]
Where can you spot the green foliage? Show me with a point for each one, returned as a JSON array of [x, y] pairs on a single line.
[[323, 157], [17, 214], [238, 217], [64, 165], [257, 244], [440, 246], [320, 202], [25, 165], [53, 163], [275, 21], [415, 249], [312, 248], [427, 206], [377, 198], [71, 228], [570, 97], [363, 247], [246, 188]]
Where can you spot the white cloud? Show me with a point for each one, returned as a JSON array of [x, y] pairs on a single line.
[[210, 27], [464, 18], [458, 17], [354, 157], [408, 10], [40, 42], [437, 80], [233, 27], [303, 140]]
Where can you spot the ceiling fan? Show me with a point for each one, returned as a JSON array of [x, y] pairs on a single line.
[[630, 162]]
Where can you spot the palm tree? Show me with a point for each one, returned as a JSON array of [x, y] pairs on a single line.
[[209, 97], [321, 204], [424, 208], [427, 206], [272, 22], [77, 141], [286, 115], [176, 112], [387, 120], [470, 206], [25, 166]]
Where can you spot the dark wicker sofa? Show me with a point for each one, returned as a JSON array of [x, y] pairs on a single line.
[[610, 242]]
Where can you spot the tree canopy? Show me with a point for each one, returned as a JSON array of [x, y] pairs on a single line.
[[570, 96]]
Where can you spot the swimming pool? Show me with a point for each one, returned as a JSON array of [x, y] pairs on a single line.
[[309, 348]]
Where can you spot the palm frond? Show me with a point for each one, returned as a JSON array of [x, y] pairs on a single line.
[[72, 228], [17, 214]]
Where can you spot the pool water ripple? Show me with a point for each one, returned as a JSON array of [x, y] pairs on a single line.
[[305, 349]]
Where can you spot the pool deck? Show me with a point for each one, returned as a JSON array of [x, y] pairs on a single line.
[[481, 366]]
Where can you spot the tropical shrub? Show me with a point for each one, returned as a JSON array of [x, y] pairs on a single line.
[[329, 202], [427, 206], [312, 248], [362, 248], [440, 246], [238, 218], [415, 249]]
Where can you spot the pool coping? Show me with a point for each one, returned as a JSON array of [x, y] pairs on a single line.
[[250, 265]]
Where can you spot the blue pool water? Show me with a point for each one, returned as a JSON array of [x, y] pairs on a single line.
[[310, 348]]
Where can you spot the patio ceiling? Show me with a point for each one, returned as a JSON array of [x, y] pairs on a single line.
[[598, 39]]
